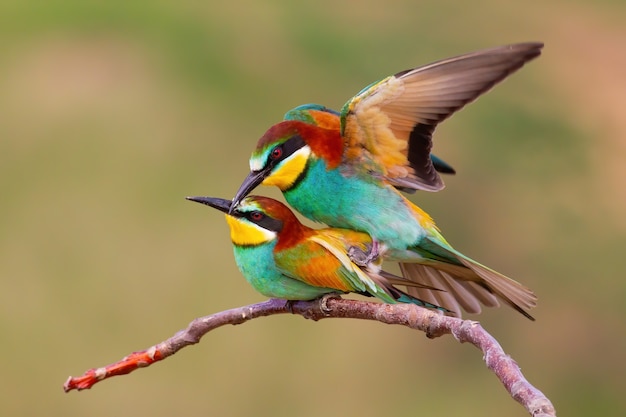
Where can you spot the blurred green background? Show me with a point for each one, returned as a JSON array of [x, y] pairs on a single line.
[[112, 112]]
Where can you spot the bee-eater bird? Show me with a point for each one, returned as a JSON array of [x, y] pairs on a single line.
[[282, 258], [351, 177]]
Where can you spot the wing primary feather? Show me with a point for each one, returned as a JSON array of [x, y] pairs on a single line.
[[391, 122]]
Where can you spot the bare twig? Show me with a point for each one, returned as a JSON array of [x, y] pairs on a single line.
[[432, 323]]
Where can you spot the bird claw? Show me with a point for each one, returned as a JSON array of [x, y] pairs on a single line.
[[289, 306], [362, 258], [324, 301]]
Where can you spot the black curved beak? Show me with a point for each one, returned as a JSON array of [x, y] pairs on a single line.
[[253, 179], [218, 203]]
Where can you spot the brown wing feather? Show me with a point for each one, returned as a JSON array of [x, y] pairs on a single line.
[[477, 286], [392, 122]]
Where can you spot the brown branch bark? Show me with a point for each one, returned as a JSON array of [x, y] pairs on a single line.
[[428, 321]]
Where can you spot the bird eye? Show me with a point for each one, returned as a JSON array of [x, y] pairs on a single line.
[[276, 153], [256, 215]]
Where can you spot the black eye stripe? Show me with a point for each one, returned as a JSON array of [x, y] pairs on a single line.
[[265, 221], [289, 147], [270, 223]]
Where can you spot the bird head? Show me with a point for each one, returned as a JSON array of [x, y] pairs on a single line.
[[315, 114], [280, 157], [255, 220], [283, 152]]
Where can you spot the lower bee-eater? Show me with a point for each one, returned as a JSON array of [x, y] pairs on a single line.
[[282, 258], [351, 177]]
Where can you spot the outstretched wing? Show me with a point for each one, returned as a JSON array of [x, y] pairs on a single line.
[[391, 122]]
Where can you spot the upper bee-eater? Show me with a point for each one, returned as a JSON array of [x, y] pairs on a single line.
[[282, 258], [351, 177]]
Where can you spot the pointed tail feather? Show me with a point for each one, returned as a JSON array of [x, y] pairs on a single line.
[[384, 280], [467, 290], [510, 291], [455, 294], [403, 297], [396, 280]]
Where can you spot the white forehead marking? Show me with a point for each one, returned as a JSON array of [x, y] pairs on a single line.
[[256, 163]]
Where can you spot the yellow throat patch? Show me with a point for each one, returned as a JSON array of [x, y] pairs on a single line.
[[243, 233], [288, 170]]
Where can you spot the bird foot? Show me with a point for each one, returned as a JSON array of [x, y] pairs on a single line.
[[362, 258], [324, 301], [289, 306]]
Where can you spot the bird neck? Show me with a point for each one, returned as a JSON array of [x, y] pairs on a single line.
[[293, 233], [326, 144]]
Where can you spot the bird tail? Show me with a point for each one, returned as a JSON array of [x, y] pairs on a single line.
[[396, 280], [465, 285], [403, 297], [387, 281]]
